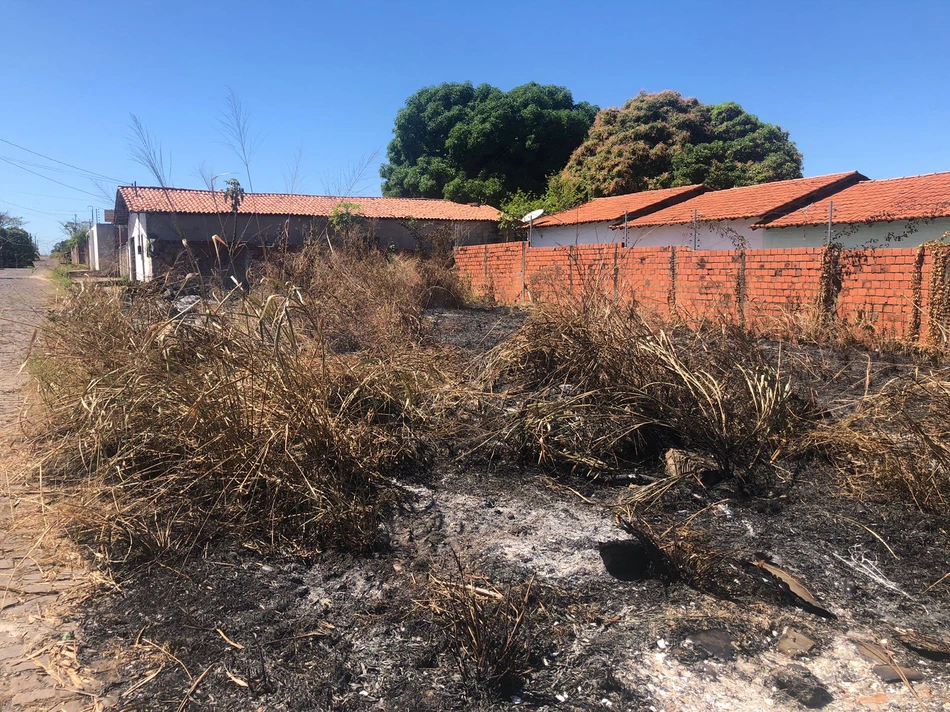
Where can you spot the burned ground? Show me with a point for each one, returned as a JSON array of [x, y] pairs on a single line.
[[230, 626], [340, 632]]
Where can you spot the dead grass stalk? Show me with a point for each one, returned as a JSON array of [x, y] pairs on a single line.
[[281, 414], [596, 387]]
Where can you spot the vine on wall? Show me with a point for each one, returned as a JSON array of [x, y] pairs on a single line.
[[939, 310], [740, 287], [830, 282]]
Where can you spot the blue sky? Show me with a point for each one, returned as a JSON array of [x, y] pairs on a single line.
[[859, 85]]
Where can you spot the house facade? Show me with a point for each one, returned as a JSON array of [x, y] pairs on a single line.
[[590, 223], [732, 218], [160, 227], [897, 212]]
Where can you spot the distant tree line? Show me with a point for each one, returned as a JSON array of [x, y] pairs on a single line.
[[534, 146], [17, 246]]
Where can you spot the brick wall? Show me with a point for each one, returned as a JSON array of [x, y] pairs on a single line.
[[882, 292]]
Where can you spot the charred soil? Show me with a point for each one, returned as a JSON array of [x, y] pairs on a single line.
[[729, 596]]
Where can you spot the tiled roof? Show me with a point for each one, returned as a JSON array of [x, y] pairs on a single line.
[[633, 205], [754, 201], [178, 200], [926, 196]]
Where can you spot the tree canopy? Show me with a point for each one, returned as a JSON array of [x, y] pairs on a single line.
[[17, 248], [467, 143], [665, 140], [78, 234], [9, 220], [71, 228], [562, 193]]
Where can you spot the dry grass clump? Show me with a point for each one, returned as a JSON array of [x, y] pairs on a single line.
[[599, 387], [247, 413], [684, 552], [366, 299], [897, 440], [493, 633]]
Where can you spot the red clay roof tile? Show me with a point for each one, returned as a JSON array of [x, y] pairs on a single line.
[[754, 201], [614, 208], [180, 200], [926, 196]]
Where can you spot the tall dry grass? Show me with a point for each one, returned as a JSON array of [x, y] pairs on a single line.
[[286, 413], [896, 441], [598, 387], [281, 414], [362, 298]]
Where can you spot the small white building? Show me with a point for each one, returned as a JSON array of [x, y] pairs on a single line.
[[589, 224], [729, 219], [898, 212], [103, 246], [161, 228]]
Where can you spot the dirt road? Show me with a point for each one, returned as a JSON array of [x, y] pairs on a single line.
[[22, 295], [37, 645]]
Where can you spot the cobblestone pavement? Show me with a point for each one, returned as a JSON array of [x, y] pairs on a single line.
[[38, 572], [22, 296]]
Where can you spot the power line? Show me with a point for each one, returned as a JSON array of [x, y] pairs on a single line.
[[34, 210], [71, 187], [70, 165], [54, 169], [39, 195]]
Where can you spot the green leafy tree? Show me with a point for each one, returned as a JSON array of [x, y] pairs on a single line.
[[467, 143], [77, 233], [17, 248], [8, 220], [234, 196], [350, 226], [665, 140], [562, 193], [72, 228], [61, 250]]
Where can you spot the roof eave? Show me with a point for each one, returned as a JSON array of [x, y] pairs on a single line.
[[814, 196], [867, 221]]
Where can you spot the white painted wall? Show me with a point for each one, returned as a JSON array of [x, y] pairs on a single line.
[[139, 247], [102, 246], [581, 234], [93, 241], [723, 235], [708, 236], [912, 234]]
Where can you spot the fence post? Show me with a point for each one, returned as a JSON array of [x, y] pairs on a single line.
[[741, 288], [671, 294], [570, 268], [524, 276], [616, 268]]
